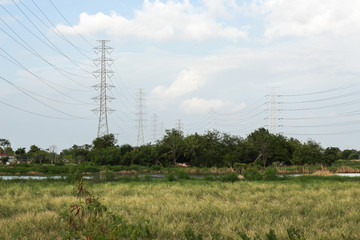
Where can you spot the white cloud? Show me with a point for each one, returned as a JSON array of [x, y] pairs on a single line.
[[307, 17], [187, 81], [158, 21], [202, 106]]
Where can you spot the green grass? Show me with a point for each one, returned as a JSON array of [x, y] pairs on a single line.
[[321, 207]]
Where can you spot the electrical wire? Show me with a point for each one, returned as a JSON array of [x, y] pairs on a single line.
[[53, 27], [62, 15], [14, 61], [35, 53], [38, 114], [41, 102], [54, 47]]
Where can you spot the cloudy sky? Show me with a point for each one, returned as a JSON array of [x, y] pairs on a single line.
[[231, 65]]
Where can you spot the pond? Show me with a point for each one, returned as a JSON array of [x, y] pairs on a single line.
[[155, 176], [35, 177]]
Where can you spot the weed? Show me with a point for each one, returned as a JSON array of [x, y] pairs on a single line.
[[170, 177], [252, 174], [109, 175], [90, 219], [271, 235], [190, 234], [270, 174], [231, 177], [295, 234], [182, 175]]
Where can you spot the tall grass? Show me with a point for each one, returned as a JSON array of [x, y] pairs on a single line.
[[318, 208]]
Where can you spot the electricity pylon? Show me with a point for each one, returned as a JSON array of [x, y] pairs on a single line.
[[274, 121], [155, 118], [179, 125], [103, 63], [140, 120]]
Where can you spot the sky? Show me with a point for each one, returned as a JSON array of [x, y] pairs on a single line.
[[232, 65]]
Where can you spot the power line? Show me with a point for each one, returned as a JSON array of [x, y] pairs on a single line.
[[14, 61], [38, 114], [62, 15], [41, 102], [53, 46], [34, 52]]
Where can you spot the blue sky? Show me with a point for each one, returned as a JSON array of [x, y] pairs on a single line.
[[210, 63]]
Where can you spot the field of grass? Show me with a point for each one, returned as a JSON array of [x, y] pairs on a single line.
[[321, 208]]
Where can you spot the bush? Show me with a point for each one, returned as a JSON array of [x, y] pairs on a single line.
[[170, 177], [182, 175], [209, 178], [109, 175], [270, 174], [231, 177], [147, 178], [252, 174], [155, 168], [88, 218]]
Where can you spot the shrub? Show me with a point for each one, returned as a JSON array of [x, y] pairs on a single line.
[[190, 235], [252, 174], [209, 178], [90, 219], [147, 178], [182, 175], [74, 174], [109, 175], [271, 235], [295, 234], [231, 177], [155, 168], [270, 174], [170, 177]]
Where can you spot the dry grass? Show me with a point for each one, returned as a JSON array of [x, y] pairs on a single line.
[[326, 209]]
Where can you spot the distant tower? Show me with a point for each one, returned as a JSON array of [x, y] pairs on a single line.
[[179, 125], [140, 120], [104, 72], [274, 121], [162, 129], [154, 127]]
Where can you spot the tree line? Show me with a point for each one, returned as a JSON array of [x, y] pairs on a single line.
[[211, 149]]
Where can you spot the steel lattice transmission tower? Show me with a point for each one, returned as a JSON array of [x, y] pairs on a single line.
[[179, 125], [103, 73], [155, 118], [140, 114], [274, 121]]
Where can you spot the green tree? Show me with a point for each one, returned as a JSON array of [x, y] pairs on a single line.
[[104, 141], [172, 146], [345, 154], [21, 154], [4, 143], [262, 141], [331, 154], [307, 153]]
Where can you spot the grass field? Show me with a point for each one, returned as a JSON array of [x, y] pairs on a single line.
[[321, 208]]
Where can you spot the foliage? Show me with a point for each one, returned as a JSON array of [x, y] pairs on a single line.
[[90, 219], [270, 174], [172, 146], [330, 155], [182, 175], [190, 234], [252, 174], [170, 177], [231, 177], [104, 141], [109, 175]]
